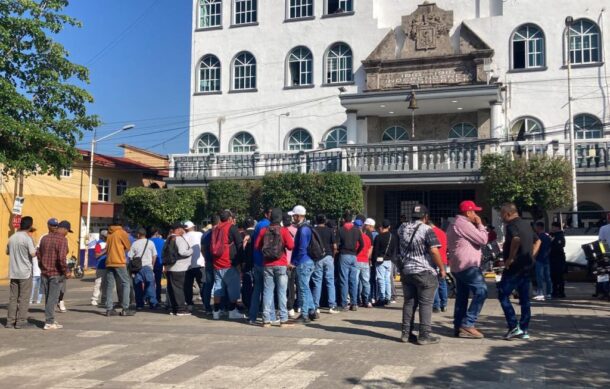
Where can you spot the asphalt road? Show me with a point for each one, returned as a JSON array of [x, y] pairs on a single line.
[[570, 347]]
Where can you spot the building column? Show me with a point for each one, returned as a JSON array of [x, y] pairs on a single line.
[[497, 121], [363, 129], [352, 126]]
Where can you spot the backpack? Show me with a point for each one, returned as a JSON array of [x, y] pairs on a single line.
[[171, 255], [315, 249], [273, 244], [218, 242]]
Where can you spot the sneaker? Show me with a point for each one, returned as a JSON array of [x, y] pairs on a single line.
[[318, 311], [436, 310], [410, 338], [94, 303], [333, 310], [53, 326], [353, 307], [305, 320], [314, 315], [393, 301], [24, 326], [524, 336], [369, 305], [346, 308], [267, 325], [547, 297], [128, 312], [426, 339], [539, 297], [189, 308], [183, 313], [62, 307], [470, 333], [514, 333], [216, 315], [235, 314], [443, 309], [293, 315], [112, 312], [9, 325], [252, 322]]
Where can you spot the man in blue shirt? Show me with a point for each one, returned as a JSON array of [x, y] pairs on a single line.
[[258, 271], [543, 265], [159, 242], [304, 264]]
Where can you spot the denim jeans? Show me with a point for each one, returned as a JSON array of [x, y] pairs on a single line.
[[508, 283], [364, 285], [440, 297], [384, 280], [349, 279], [469, 281], [52, 289], [121, 274], [36, 290], [418, 292], [543, 277], [144, 286], [227, 283], [158, 271], [304, 272], [324, 271], [258, 276], [275, 279], [208, 285]]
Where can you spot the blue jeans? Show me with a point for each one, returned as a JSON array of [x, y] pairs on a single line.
[[520, 282], [208, 286], [123, 277], [349, 278], [469, 281], [144, 286], [324, 270], [384, 280], [276, 279], [304, 272], [440, 297], [364, 286], [36, 290], [543, 276], [158, 272], [258, 277], [226, 283]]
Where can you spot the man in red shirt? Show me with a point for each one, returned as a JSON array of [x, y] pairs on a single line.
[[440, 297], [363, 264], [275, 274]]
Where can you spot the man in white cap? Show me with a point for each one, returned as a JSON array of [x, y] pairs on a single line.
[[363, 264], [303, 262], [196, 271]]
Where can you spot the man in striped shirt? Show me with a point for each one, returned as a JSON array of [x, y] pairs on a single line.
[[419, 257]]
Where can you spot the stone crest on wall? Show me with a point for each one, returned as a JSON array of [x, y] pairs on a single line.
[[426, 25]]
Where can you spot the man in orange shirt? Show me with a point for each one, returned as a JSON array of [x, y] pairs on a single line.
[[117, 244], [440, 297]]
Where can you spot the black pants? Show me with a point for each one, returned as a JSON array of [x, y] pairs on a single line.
[[175, 290], [292, 287], [196, 274], [419, 292], [557, 279]]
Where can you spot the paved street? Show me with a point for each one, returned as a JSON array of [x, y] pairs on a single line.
[[570, 347]]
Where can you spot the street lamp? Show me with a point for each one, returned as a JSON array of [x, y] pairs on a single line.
[[569, 21], [92, 157], [413, 106], [279, 129]]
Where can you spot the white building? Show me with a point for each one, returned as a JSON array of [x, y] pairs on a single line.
[[309, 85]]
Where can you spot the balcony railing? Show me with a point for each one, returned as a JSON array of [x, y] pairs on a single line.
[[452, 157]]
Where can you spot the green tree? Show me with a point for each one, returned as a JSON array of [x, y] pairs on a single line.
[[229, 194], [43, 111], [162, 207], [535, 185]]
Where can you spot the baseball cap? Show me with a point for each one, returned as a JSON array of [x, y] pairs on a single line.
[[65, 224], [468, 205], [189, 224], [369, 222], [419, 211], [386, 223], [53, 222], [358, 223], [299, 210], [177, 225]]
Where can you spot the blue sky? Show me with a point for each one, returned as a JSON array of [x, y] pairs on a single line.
[[138, 53]]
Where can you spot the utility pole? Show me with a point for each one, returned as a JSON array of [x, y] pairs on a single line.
[[569, 21]]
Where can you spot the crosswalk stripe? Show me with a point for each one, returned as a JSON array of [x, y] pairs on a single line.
[[98, 351], [93, 334], [155, 368], [385, 377], [314, 342], [10, 351]]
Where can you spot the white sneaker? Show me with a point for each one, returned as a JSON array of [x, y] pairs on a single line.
[[539, 297], [94, 303], [333, 311], [54, 326], [61, 306], [293, 315], [318, 311], [234, 314], [216, 315]]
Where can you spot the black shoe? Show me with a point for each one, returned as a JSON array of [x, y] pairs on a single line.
[[128, 312], [410, 338], [314, 315], [456, 332], [305, 320], [443, 309], [426, 339], [112, 312], [345, 308], [24, 326], [353, 308], [435, 310]]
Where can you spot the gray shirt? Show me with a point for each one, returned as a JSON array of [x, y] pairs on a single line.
[[417, 258], [137, 250], [20, 250], [185, 250]]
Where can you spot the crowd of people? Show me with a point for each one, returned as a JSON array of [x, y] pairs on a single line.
[[284, 268]]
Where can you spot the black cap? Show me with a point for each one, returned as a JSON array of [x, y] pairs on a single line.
[[386, 223], [276, 216], [177, 225], [65, 224], [419, 211]]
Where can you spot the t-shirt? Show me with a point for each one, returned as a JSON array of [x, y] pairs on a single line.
[[363, 255], [545, 248], [20, 250], [159, 243], [137, 250], [328, 238], [194, 239], [524, 258], [416, 258], [101, 260], [442, 239]]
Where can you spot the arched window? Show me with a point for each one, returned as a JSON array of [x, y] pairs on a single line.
[[208, 144], [395, 134], [463, 130], [528, 47], [339, 66], [243, 142], [244, 71], [245, 11], [209, 74], [210, 13], [587, 127], [299, 139], [300, 67], [527, 128], [335, 138], [585, 42]]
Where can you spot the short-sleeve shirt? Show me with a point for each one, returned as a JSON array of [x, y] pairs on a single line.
[[524, 259], [417, 258], [327, 236], [20, 247], [137, 250]]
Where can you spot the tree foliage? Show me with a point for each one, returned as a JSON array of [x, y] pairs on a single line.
[[229, 194], [162, 207], [42, 112], [536, 184]]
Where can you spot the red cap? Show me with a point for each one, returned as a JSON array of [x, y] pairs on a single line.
[[469, 206]]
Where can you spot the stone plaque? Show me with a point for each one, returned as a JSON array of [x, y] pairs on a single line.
[[447, 76]]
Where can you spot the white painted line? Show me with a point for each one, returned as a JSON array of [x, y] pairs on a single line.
[[323, 342], [385, 377], [98, 351], [93, 334], [307, 341], [155, 368], [314, 342], [9, 351], [77, 383]]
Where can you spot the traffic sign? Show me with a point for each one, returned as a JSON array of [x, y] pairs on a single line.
[[18, 205], [16, 221]]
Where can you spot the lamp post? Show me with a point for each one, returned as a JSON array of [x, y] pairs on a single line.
[[279, 129], [569, 21], [413, 106], [92, 157]]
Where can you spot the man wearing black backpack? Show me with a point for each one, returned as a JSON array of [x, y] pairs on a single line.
[[304, 263], [325, 267], [177, 259]]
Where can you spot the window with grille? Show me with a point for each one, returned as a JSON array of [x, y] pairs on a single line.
[[528, 47], [300, 64], [395, 134], [527, 128], [244, 71], [300, 139], [65, 173], [587, 127], [208, 144], [339, 66], [584, 42], [103, 189], [243, 142], [121, 187], [245, 11], [339, 6], [300, 9], [335, 138], [209, 74], [210, 13], [463, 130]]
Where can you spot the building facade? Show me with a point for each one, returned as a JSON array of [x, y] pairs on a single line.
[[408, 95]]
